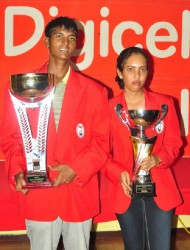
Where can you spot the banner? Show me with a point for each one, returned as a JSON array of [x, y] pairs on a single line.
[[106, 28]]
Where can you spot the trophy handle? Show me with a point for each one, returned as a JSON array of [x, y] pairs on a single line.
[[163, 111], [119, 112]]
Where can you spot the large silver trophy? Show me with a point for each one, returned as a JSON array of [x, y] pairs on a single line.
[[30, 91], [139, 120]]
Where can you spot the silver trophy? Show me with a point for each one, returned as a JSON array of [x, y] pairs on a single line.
[[138, 121], [30, 91]]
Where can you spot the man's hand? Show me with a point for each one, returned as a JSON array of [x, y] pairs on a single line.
[[126, 183], [20, 183], [66, 174]]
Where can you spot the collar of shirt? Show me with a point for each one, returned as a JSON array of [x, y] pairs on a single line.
[[65, 78]]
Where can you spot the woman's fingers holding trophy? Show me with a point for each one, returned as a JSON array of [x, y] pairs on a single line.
[[126, 183], [149, 162]]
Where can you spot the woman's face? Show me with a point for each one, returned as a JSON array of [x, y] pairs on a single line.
[[134, 73]]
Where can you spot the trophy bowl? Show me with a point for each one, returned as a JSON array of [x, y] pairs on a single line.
[[31, 87], [143, 118]]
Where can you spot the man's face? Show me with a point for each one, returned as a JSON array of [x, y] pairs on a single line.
[[62, 43]]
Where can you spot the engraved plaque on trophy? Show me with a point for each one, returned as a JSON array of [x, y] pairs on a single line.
[[30, 91], [141, 119]]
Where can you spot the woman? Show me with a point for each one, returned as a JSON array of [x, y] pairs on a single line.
[[144, 221]]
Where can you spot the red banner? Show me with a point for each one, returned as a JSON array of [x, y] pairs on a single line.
[[106, 27]]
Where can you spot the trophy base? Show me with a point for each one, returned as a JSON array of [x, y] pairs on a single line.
[[140, 190], [37, 180]]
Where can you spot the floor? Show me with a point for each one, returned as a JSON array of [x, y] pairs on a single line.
[[101, 241]]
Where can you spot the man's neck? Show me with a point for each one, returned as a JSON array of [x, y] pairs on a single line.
[[59, 69]]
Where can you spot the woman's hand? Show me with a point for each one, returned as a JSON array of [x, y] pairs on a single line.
[[126, 183], [149, 162]]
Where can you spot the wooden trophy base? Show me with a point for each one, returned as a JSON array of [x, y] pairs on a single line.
[[140, 190], [37, 180]]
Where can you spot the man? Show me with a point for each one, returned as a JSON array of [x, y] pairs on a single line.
[[77, 147]]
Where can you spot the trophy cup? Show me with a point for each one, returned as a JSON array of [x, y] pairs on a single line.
[[140, 120], [29, 91]]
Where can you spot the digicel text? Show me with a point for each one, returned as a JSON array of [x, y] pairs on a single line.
[[116, 36]]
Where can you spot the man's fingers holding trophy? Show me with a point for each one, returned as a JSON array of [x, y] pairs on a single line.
[[126, 183], [21, 183], [149, 162], [66, 174]]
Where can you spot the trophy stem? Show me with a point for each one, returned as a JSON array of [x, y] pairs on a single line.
[[142, 148], [142, 184], [141, 133]]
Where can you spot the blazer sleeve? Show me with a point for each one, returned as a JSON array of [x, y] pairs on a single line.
[[171, 141], [112, 170]]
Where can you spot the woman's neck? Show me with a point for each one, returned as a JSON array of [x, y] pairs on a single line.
[[135, 100]]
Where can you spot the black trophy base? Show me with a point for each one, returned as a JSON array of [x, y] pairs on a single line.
[[37, 180], [140, 190]]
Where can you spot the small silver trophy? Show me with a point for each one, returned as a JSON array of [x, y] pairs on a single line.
[[140, 120], [29, 91]]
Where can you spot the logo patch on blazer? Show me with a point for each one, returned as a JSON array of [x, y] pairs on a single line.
[[80, 130], [160, 127]]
